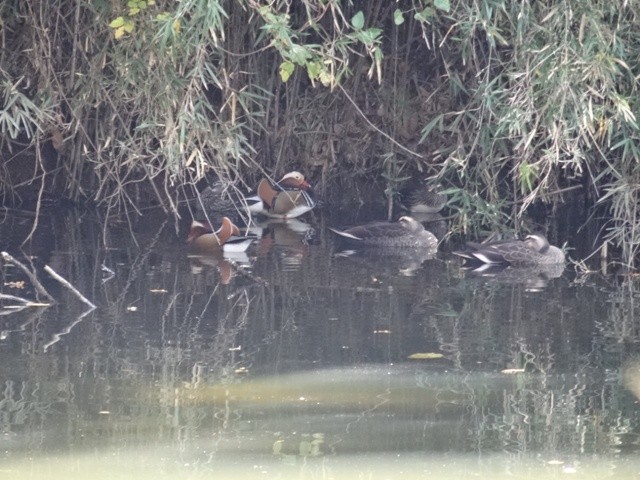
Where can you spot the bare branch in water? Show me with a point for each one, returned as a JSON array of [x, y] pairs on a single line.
[[36, 283], [64, 282], [25, 301]]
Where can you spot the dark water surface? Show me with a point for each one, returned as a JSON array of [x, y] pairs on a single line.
[[298, 363]]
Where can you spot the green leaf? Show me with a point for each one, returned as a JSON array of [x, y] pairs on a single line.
[[358, 20], [369, 36], [286, 69], [117, 23], [398, 17], [444, 5], [326, 78], [527, 176], [425, 15], [314, 69]]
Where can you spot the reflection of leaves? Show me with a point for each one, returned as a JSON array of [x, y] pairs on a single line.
[[425, 356]]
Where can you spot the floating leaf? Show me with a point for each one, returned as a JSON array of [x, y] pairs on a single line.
[[425, 356], [398, 17], [512, 371], [358, 20]]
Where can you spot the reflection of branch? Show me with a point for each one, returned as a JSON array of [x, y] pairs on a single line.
[[38, 286], [56, 336], [26, 302], [64, 282]]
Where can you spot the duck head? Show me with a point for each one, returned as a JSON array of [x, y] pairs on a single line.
[[537, 242], [294, 180]]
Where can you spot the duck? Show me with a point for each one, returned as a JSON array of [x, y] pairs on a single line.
[[290, 197], [406, 232], [202, 238], [422, 198], [533, 250], [222, 199]]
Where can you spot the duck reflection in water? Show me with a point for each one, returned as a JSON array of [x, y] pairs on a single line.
[[290, 238], [223, 249]]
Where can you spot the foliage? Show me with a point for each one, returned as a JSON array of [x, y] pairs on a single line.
[[508, 104]]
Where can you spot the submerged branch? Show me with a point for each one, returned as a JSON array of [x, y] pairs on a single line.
[[25, 301], [36, 283], [64, 282]]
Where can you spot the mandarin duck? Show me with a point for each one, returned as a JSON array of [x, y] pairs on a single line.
[[290, 197], [202, 237]]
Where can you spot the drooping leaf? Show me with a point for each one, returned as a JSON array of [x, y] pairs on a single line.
[[425, 15], [286, 70], [358, 20], [313, 69], [443, 5], [398, 17]]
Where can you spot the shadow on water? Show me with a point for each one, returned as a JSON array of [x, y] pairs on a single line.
[[298, 361]]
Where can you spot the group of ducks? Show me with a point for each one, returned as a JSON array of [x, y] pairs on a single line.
[[292, 196]]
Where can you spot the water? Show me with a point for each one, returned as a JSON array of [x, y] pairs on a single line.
[[304, 364]]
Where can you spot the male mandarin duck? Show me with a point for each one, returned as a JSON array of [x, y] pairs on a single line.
[[202, 237], [290, 197], [534, 250], [406, 232]]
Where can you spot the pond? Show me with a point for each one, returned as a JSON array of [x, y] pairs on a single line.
[[298, 361]]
